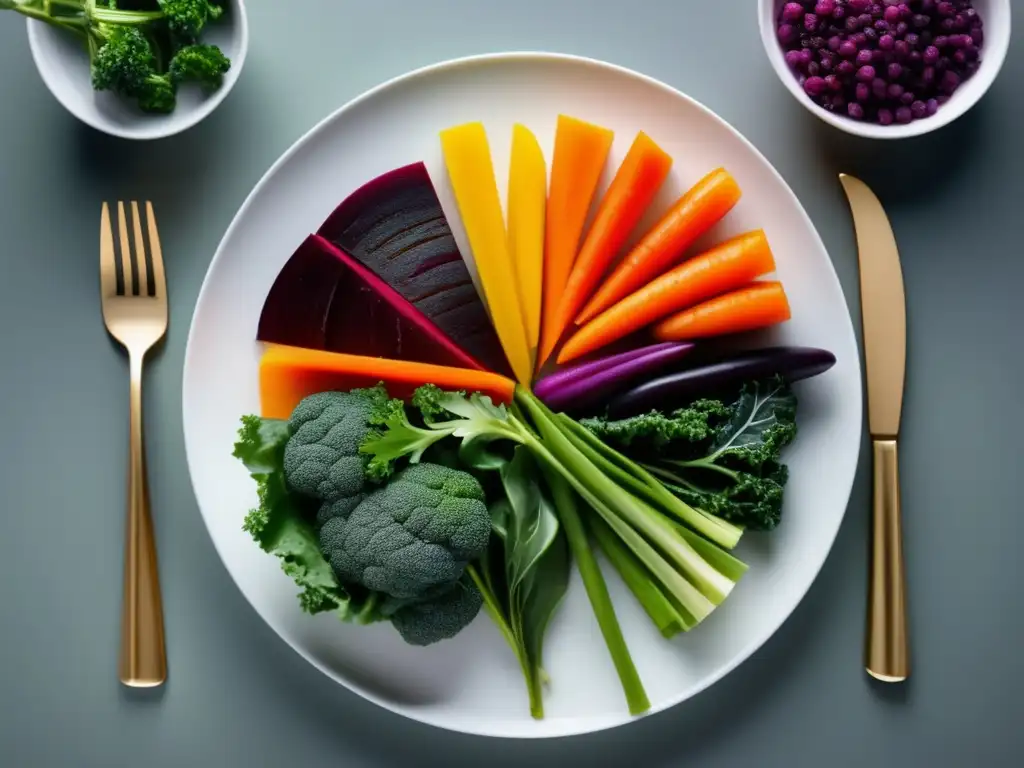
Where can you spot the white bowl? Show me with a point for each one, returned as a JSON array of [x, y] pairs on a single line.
[[63, 63], [996, 17]]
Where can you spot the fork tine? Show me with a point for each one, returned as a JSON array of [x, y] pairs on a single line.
[[108, 259], [140, 251], [159, 280], [127, 261]]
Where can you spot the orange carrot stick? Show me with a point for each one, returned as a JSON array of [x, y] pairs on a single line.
[[288, 374], [759, 305], [693, 214], [636, 182], [726, 267], [581, 151]]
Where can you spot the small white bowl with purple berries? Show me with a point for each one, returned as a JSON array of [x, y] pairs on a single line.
[[886, 69]]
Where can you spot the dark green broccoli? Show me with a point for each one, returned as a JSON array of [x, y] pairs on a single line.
[[721, 458], [322, 459], [203, 64], [417, 532], [435, 618], [186, 18]]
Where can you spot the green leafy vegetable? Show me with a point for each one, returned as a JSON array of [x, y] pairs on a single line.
[[721, 459], [524, 579]]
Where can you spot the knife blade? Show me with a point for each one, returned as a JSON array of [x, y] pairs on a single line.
[[883, 317], [883, 308]]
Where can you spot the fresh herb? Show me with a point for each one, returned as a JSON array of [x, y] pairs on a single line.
[[722, 459], [143, 53]]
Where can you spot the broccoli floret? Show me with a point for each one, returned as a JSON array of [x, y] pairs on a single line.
[[439, 617], [322, 459], [186, 18], [123, 62], [203, 64], [415, 533]]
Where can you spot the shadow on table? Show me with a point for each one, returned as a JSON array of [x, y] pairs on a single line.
[[908, 170]]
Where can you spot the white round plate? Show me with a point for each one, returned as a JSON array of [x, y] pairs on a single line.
[[471, 683]]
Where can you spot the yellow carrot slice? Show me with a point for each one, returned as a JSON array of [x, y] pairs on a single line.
[[527, 201], [467, 156], [581, 151]]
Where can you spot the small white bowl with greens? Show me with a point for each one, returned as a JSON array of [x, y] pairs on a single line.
[[137, 69]]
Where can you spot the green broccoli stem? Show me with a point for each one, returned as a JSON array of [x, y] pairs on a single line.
[[124, 18], [76, 24], [597, 591], [532, 677]]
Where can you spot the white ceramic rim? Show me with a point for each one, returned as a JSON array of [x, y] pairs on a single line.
[[996, 47], [155, 130], [537, 56]]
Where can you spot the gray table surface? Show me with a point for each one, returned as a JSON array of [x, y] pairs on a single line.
[[237, 695]]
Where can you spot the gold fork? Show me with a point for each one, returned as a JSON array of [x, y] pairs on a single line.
[[136, 315]]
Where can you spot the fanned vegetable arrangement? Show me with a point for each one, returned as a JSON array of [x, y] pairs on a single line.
[[414, 468]]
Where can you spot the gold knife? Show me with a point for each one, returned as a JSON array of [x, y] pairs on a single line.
[[883, 315]]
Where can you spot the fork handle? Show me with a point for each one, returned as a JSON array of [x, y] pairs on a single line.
[[143, 661]]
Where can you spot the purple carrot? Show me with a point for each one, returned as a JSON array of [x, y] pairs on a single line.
[[582, 371]]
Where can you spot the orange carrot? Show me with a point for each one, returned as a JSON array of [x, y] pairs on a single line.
[[759, 305], [726, 267], [637, 181], [693, 214], [581, 151], [288, 374]]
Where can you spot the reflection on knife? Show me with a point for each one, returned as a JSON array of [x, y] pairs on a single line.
[[883, 314]]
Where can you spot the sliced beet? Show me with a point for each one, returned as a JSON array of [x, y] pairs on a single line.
[[395, 226], [678, 389], [326, 300]]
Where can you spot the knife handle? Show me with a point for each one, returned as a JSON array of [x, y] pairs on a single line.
[[887, 655]]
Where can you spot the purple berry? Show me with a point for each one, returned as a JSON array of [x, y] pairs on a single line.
[[894, 71], [977, 36], [806, 57], [942, 98], [901, 29], [920, 21], [886, 42], [824, 7], [862, 92], [901, 49], [940, 42], [786, 33], [855, 110], [927, 6], [931, 54], [870, 34], [907, 98], [932, 106], [918, 109], [827, 63], [845, 68], [914, 57], [885, 117], [817, 43], [972, 67], [904, 115], [834, 43], [892, 14], [891, 3], [859, 39], [879, 87], [912, 39], [928, 76], [948, 26], [792, 12], [959, 22], [810, 22], [963, 41], [945, 9], [882, 25], [866, 19], [858, 6], [894, 91], [950, 81], [864, 57], [866, 74], [848, 49], [880, 57], [970, 53], [813, 69], [960, 57], [876, 9], [814, 86], [833, 83], [793, 59]]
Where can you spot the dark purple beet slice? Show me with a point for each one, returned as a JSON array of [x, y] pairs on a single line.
[[325, 299], [395, 226]]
